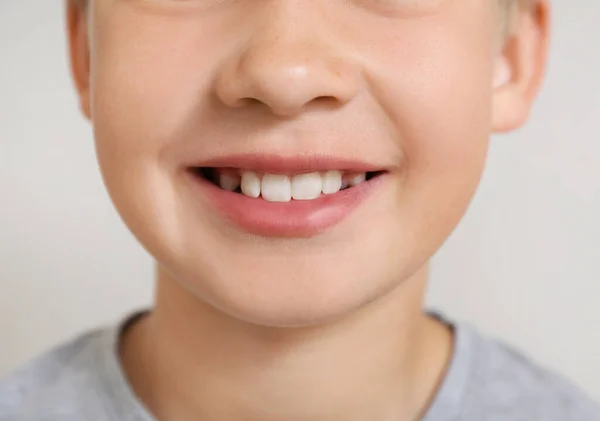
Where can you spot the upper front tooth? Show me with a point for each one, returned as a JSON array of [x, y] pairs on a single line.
[[282, 188], [306, 186], [250, 184], [332, 182], [276, 188], [229, 182]]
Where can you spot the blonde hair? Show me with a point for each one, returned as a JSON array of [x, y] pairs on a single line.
[[509, 10]]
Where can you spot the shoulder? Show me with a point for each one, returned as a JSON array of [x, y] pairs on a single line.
[[505, 384], [54, 385]]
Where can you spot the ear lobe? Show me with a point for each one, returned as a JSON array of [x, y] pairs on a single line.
[[79, 52], [520, 68]]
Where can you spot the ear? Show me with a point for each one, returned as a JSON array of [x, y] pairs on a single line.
[[521, 66], [79, 51]]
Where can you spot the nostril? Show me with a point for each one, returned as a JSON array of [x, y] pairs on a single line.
[[326, 101], [249, 101]]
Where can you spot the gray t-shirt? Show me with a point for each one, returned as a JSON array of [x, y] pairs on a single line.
[[486, 381]]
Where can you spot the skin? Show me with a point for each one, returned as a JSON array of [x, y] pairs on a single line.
[[256, 328]]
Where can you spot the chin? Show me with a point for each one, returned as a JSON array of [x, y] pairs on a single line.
[[295, 294]]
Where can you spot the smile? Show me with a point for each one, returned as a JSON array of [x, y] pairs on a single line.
[[284, 197], [283, 187]]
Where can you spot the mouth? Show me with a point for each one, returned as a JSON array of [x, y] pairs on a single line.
[[274, 196], [282, 188]]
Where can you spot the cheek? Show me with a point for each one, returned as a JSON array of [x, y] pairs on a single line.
[[444, 120], [437, 93], [445, 129], [149, 82], [144, 88]]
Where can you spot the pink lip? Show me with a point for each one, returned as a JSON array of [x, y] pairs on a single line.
[[294, 219], [275, 164]]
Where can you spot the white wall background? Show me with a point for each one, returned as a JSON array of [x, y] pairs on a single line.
[[523, 265]]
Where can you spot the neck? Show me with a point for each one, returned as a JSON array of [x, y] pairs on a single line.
[[187, 361]]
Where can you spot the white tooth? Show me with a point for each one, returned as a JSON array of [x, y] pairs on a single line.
[[345, 184], [306, 186], [250, 184], [229, 182], [357, 179], [276, 188], [332, 182]]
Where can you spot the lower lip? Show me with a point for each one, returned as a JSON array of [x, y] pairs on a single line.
[[296, 218]]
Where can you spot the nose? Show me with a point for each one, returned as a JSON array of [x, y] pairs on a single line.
[[288, 62]]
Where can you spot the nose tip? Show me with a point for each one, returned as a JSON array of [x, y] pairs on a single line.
[[287, 78]]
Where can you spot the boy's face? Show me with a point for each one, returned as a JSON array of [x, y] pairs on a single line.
[[399, 87]]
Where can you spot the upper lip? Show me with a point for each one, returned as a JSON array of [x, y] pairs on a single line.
[[281, 164]]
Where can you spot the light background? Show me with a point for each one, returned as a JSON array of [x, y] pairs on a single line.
[[523, 265]]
